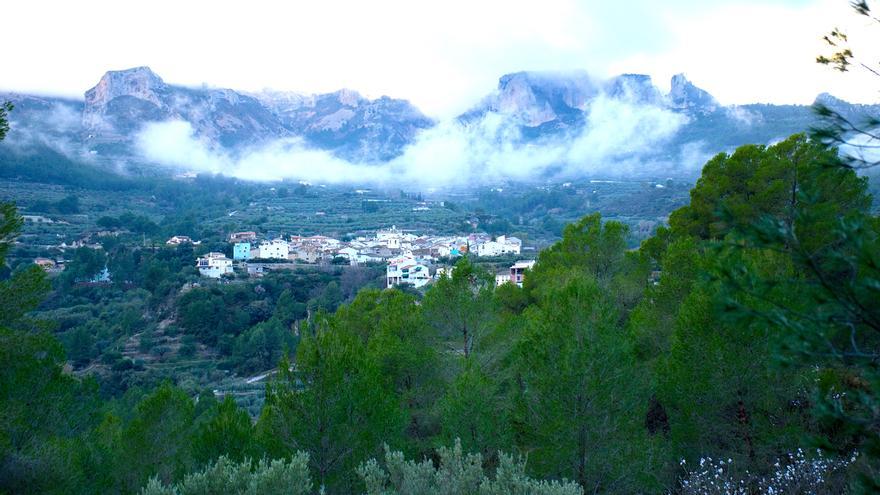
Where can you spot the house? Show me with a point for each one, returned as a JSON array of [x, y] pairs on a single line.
[[500, 246], [490, 248], [214, 265], [45, 263], [385, 235], [321, 241], [406, 270], [306, 254], [243, 236], [517, 271], [511, 245], [277, 249], [502, 278], [241, 251], [349, 253], [178, 240], [448, 250]]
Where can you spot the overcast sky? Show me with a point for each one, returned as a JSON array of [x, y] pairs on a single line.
[[442, 55]]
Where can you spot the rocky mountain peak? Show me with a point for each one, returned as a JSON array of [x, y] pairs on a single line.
[[684, 95], [828, 100], [138, 82], [637, 88], [349, 97], [536, 98]]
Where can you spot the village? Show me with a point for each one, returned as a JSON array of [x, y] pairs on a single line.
[[410, 259]]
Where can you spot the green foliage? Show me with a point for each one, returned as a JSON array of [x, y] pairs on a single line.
[[579, 394], [404, 349], [275, 477], [84, 265], [745, 328], [5, 108], [334, 405], [588, 245], [260, 347], [43, 410], [475, 409], [227, 432], [823, 304], [756, 181], [598, 250], [652, 321], [67, 206], [458, 473], [733, 397], [20, 294], [155, 438], [10, 225], [460, 306]]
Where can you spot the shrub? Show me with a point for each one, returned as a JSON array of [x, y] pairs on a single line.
[[458, 474], [275, 477]]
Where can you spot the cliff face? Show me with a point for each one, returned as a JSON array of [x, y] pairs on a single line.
[[355, 127], [685, 96], [123, 101], [539, 101], [343, 122]]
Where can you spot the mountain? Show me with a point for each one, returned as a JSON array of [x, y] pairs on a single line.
[[352, 126], [683, 95], [108, 119], [635, 88], [558, 105], [545, 107], [541, 102], [122, 101]]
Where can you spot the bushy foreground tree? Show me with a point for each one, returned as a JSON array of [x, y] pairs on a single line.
[[580, 399], [457, 474], [277, 477], [333, 404]]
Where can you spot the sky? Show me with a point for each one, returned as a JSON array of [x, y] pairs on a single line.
[[441, 55]]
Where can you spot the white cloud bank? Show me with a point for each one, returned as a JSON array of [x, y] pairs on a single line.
[[617, 140]]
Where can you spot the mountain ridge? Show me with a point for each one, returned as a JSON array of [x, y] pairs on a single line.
[[542, 105]]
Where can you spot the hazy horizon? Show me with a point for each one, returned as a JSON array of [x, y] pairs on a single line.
[[445, 57]]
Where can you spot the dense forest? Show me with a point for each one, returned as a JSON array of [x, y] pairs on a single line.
[[735, 351]]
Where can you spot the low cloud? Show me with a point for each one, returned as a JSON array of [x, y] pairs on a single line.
[[55, 127], [620, 138]]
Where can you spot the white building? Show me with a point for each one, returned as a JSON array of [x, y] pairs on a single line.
[[512, 245], [214, 265], [405, 270], [276, 249], [502, 278], [178, 240], [349, 253], [490, 248], [500, 246], [385, 235]]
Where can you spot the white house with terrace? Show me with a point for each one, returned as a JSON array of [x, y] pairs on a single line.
[[214, 265], [406, 270]]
